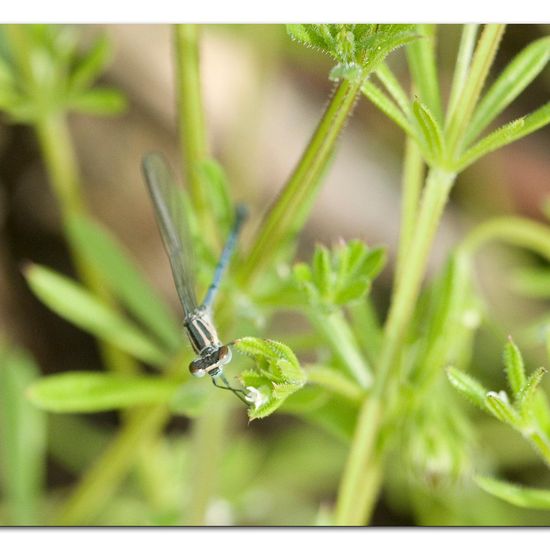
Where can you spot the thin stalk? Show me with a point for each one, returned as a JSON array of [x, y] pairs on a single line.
[[513, 230], [367, 328], [106, 474], [542, 445], [354, 501], [191, 121], [436, 192], [481, 63], [62, 167], [413, 176], [292, 205], [208, 435], [193, 139], [339, 336]]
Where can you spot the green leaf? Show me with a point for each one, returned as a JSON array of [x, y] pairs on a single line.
[[423, 66], [515, 369], [191, 399], [497, 404], [124, 279], [394, 88], [386, 105], [22, 436], [215, 180], [429, 132], [90, 65], [276, 374], [467, 386], [77, 305], [526, 397], [519, 73], [538, 499], [506, 134], [99, 101], [86, 392]]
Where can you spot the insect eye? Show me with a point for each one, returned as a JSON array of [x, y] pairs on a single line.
[[196, 370]]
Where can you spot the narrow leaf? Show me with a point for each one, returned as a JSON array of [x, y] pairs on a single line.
[[387, 106], [421, 55], [538, 499], [499, 407], [99, 101], [429, 131], [85, 392], [22, 436], [469, 387], [77, 305], [520, 72], [506, 134], [91, 65], [527, 395], [125, 280], [515, 369]]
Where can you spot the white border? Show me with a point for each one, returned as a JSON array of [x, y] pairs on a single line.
[[281, 11]]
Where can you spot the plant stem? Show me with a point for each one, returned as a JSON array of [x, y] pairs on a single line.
[[294, 202], [413, 172], [191, 123], [63, 173], [102, 479], [338, 334], [209, 432], [513, 230], [355, 499]]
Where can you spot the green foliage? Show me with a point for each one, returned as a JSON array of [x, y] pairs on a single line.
[[515, 494], [375, 390], [447, 139], [276, 374], [23, 437], [76, 304], [43, 73], [524, 411], [124, 279], [357, 48], [341, 276], [85, 392]]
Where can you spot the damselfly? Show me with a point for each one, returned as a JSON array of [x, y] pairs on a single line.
[[174, 229]]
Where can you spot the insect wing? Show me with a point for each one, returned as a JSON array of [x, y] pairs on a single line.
[[171, 219]]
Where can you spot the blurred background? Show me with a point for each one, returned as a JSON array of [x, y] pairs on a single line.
[[263, 96]]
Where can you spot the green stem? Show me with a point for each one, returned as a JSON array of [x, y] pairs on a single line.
[[102, 479], [339, 336], [293, 204], [542, 445], [209, 433], [61, 164], [208, 430], [413, 172], [512, 230], [191, 123], [354, 500]]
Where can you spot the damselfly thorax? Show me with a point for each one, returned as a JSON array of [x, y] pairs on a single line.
[[213, 355]]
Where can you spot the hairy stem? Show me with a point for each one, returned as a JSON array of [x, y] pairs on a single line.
[[293, 204], [355, 498]]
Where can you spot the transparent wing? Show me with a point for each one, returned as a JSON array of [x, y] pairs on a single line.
[[172, 222]]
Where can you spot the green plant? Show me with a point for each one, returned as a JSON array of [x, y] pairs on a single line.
[[378, 389]]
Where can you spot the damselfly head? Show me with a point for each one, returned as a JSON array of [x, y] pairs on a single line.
[[211, 363]]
